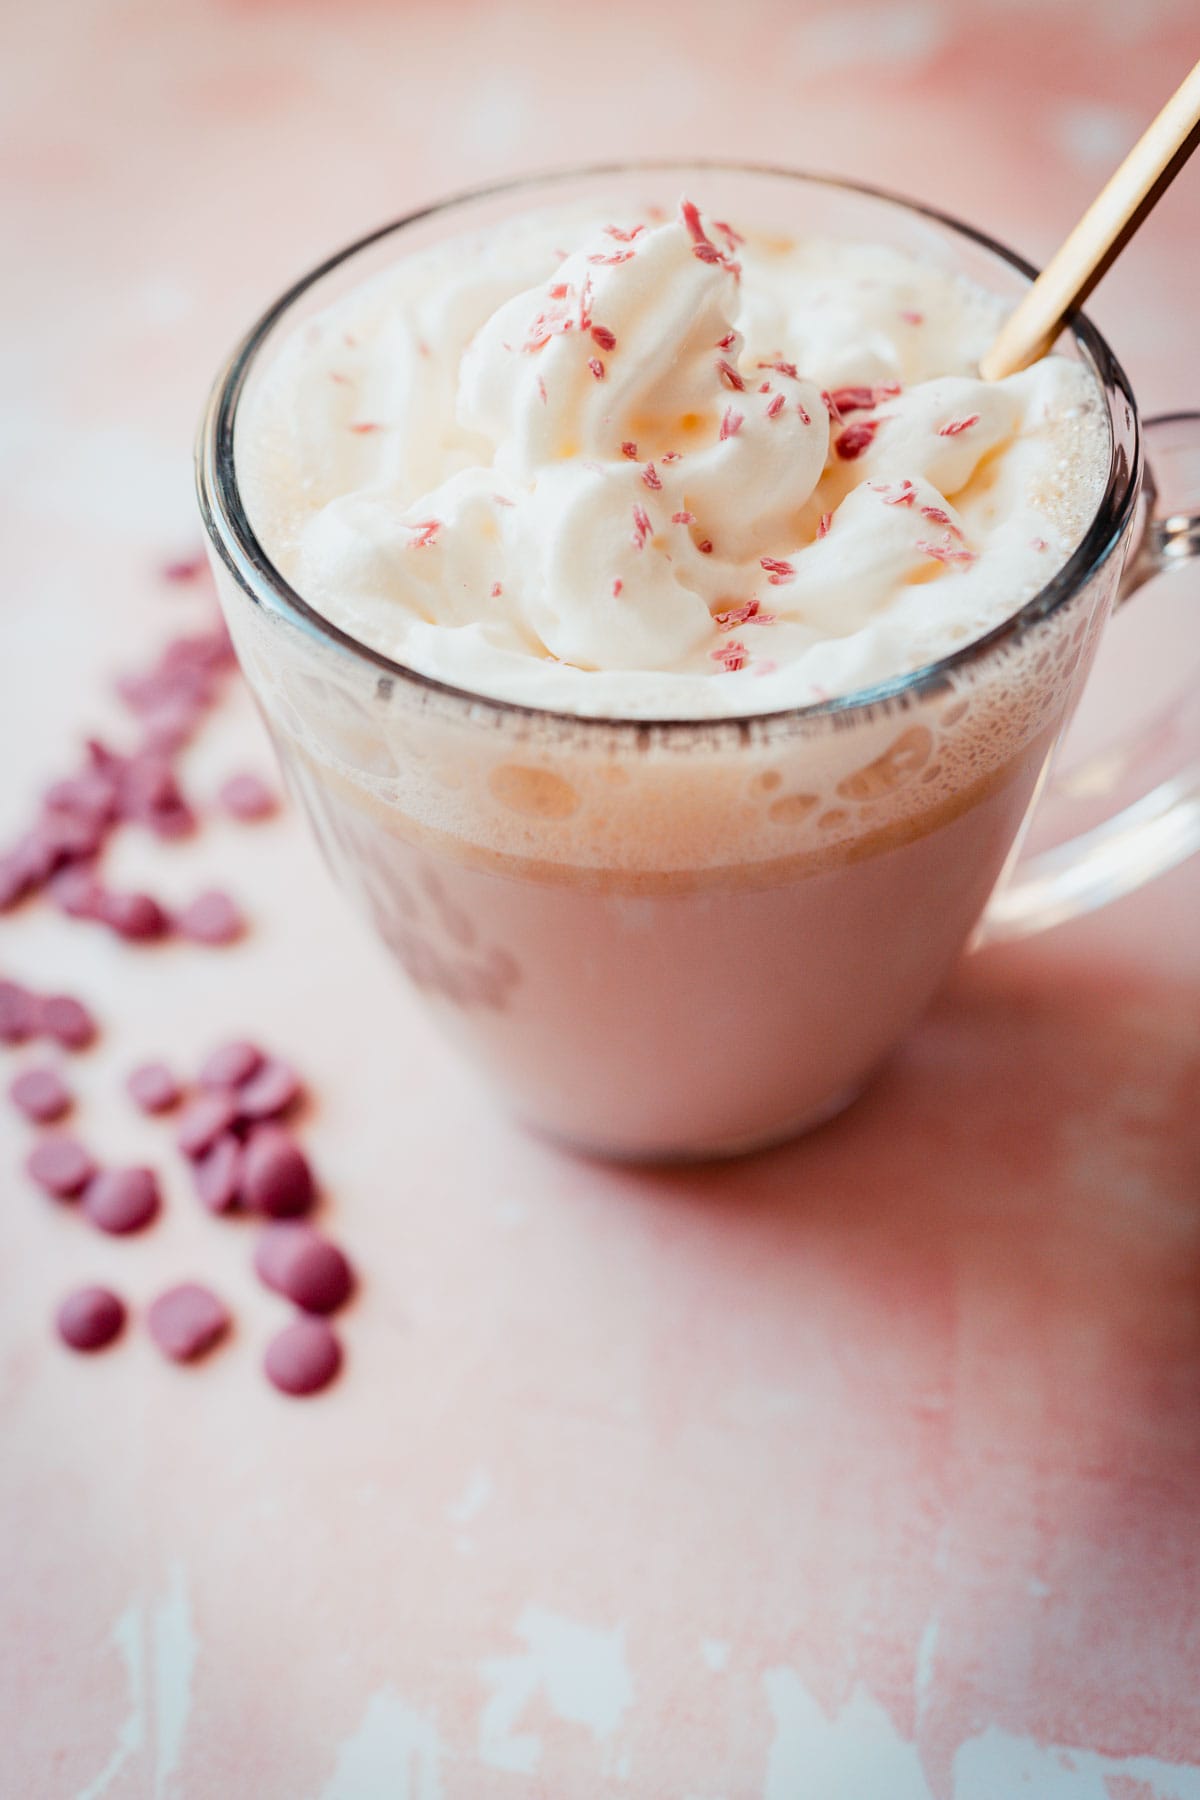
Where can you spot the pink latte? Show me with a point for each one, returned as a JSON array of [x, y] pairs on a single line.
[[646, 497]]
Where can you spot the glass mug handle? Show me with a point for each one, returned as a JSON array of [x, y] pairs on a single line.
[[1160, 827]]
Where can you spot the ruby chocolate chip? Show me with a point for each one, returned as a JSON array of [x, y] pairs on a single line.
[[299, 1263], [153, 1088], [271, 1091], [122, 1200], [212, 918], [67, 1020], [229, 1065], [18, 1013], [61, 1166], [186, 568], [137, 917], [41, 1094], [303, 1358], [217, 1174], [186, 1321], [90, 1318], [203, 1121], [77, 892], [275, 1177], [247, 797]]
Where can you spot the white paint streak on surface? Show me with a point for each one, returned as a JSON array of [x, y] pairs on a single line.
[[857, 1755], [926, 1653], [997, 1763], [715, 1653], [395, 1754], [474, 1497], [127, 1636], [582, 1672], [174, 1661]]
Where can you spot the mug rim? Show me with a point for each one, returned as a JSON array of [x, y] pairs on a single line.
[[233, 537]]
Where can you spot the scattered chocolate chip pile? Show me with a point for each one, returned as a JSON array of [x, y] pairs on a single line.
[[25, 1015], [61, 853], [232, 1128], [232, 1124]]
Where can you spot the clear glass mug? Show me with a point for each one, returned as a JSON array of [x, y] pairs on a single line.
[[687, 939]]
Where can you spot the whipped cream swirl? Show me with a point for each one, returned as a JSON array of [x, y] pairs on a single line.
[[677, 472]]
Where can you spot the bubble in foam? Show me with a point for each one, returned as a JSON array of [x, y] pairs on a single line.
[[535, 793]]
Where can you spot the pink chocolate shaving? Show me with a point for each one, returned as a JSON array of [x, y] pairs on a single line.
[[746, 612], [651, 477], [778, 570], [904, 494], [956, 426], [731, 423], [629, 449], [731, 656], [605, 338], [856, 438], [641, 527], [776, 407], [945, 552], [597, 367], [730, 376], [937, 515], [823, 527], [425, 531]]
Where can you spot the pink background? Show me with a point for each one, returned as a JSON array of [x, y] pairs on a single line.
[[865, 1470]]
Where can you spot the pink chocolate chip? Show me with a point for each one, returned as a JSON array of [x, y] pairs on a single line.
[[152, 1087], [303, 1358], [66, 1019], [18, 1013], [137, 917], [187, 1320], [76, 892], [61, 1166], [212, 918], [229, 1065], [91, 795], [41, 1094], [185, 568], [121, 1200], [90, 1318], [247, 797], [203, 1121], [271, 1091], [218, 1174], [19, 875], [298, 1262], [276, 1178]]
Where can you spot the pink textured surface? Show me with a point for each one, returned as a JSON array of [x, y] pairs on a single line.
[[867, 1468]]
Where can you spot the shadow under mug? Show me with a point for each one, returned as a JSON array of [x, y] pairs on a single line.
[[682, 939]]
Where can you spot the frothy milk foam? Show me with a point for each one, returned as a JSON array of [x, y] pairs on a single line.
[[673, 473]]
